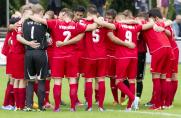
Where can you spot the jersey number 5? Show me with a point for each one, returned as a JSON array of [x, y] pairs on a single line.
[[128, 36], [95, 36], [67, 34]]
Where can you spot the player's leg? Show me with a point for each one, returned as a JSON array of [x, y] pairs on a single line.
[[41, 66], [73, 93], [96, 90], [89, 74], [16, 95], [121, 72], [112, 73], [140, 73], [22, 93], [30, 77], [57, 73], [101, 67]]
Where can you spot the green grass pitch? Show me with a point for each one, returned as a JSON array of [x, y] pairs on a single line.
[[112, 111]]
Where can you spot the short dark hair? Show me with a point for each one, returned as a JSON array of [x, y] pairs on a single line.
[[80, 9], [155, 12], [111, 12], [128, 13], [92, 10], [143, 14]]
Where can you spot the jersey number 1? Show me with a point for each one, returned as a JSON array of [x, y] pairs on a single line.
[[32, 32]]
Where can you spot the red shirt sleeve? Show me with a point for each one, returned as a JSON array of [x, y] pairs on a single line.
[[139, 28], [51, 23], [81, 27]]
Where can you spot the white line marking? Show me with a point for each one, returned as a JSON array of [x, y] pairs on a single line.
[[143, 112]]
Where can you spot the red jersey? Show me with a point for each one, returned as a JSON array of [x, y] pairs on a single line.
[[171, 38], [111, 46], [17, 47], [80, 45], [141, 42], [63, 31], [94, 43], [127, 33], [155, 40], [6, 46]]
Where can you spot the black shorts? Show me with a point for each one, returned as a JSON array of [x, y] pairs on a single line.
[[141, 65], [36, 64]]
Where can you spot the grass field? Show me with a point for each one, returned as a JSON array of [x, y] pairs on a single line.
[[111, 111]]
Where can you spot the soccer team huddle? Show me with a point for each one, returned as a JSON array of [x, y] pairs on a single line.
[[40, 46]]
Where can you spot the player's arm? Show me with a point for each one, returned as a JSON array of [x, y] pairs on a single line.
[[147, 25], [167, 32], [103, 23], [32, 44], [116, 40], [91, 27], [38, 19], [70, 41], [168, 23]]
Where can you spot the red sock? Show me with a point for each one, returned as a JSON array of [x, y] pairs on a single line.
[[121, 86], [152, 101], [132, 89], [164, 91], [47, 91], [36, 88], [22, 97], [77, 99], [174, 89], [11, 98], [7, 96], [157, 92], [72, 94], [16, 97], [57, 96], [168, 97], [114, 89], [88, 90], [96, 94], [101, 93]]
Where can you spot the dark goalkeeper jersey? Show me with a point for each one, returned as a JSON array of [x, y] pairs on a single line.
[[35, 31]]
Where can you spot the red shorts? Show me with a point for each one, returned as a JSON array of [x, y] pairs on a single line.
[[9, 61], [95, 68], [160, 61], [174, 64], [65, 66], [18, 66], [126, 67], [111, 71], [80, 62], [50, 55]]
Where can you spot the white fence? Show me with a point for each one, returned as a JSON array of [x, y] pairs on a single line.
[[3, 58]]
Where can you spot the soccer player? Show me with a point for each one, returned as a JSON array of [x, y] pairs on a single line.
[[79, 13], [8, 103], [48, 15], [110, 49], [36, 62], [172, 82], [142, 49], [127, 58], [160, 50], [94, 60]]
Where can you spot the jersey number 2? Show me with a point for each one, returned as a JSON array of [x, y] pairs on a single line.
[[67, 34]]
